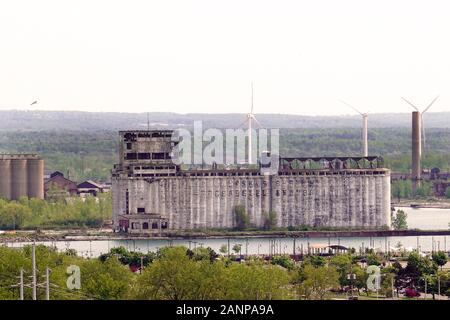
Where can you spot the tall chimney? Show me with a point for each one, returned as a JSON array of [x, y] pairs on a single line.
[[416, 151]]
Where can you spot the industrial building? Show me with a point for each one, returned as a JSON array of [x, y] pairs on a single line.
[[21, 175], [151, 194]]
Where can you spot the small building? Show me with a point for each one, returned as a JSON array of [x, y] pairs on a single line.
[[57, 180], [91, 188]]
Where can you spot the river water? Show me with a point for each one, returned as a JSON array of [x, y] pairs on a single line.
[[423, 218]]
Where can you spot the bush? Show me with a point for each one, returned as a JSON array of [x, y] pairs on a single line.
[[447, 192], [283, 261], [241, 217], [270, 220]]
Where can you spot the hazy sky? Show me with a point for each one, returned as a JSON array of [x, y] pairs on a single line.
[[201, 56]]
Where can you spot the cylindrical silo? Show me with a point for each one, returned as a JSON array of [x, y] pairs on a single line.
[[5, 178], [35, 171], [18, 178]]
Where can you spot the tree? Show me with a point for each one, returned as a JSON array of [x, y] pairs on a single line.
[[283, 261], [256, 281], [173, 276], [373, 260], [343, 263], [440, 258], [237, 248], [424, 190], [105, 280], [316, 282], [13, 215], [223, 249], [399, 222], [315, 261], [241, 217], [416, 268]]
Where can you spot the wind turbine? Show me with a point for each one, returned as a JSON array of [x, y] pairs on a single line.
[[365, 117], [250, 117]]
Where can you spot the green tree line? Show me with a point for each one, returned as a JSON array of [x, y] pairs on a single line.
[[177, 273], [63, 213]]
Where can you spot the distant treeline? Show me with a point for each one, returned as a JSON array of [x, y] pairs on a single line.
[[33, 120], [91, 154]]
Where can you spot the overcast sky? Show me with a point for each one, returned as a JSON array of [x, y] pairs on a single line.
[[201, 56]]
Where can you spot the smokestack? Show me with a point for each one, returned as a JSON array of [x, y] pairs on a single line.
[[416, 150]]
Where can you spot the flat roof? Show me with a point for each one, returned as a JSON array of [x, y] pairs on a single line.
[[13, 156], [146, 131]]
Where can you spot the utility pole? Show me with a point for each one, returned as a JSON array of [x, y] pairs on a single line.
[[47, 283], [439, 284], [246, 248], [21, 284], [425, 287], [392, 286], [33, 261]]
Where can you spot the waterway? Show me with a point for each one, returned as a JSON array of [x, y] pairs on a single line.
[[422, 218]]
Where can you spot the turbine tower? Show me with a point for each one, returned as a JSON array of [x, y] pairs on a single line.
[[365, 118], [418, 133], [250, 117]]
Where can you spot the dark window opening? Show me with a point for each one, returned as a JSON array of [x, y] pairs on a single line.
[[145, 225], [131, 156], [129, 146], [130, 136], [164, 225], [155, 225], [141, 210], [143, 155], [159, 155]]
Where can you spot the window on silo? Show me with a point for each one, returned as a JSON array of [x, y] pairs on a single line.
[[144, 155], [131, 156]]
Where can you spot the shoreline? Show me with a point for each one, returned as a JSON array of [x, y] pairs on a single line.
[[420, 203], [223, 235]]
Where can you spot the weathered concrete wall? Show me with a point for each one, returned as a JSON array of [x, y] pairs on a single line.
[[340, 199]]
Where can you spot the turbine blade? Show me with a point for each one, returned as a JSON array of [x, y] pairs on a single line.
[[257, 122], [349, 105], [429, 106], [410, 104], [245, 122]]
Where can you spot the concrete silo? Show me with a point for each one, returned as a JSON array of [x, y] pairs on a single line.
[[35, 178], [19, 179], [5, 177]]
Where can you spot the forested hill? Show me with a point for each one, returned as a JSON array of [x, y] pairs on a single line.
[[13, 120], [86, 144]]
